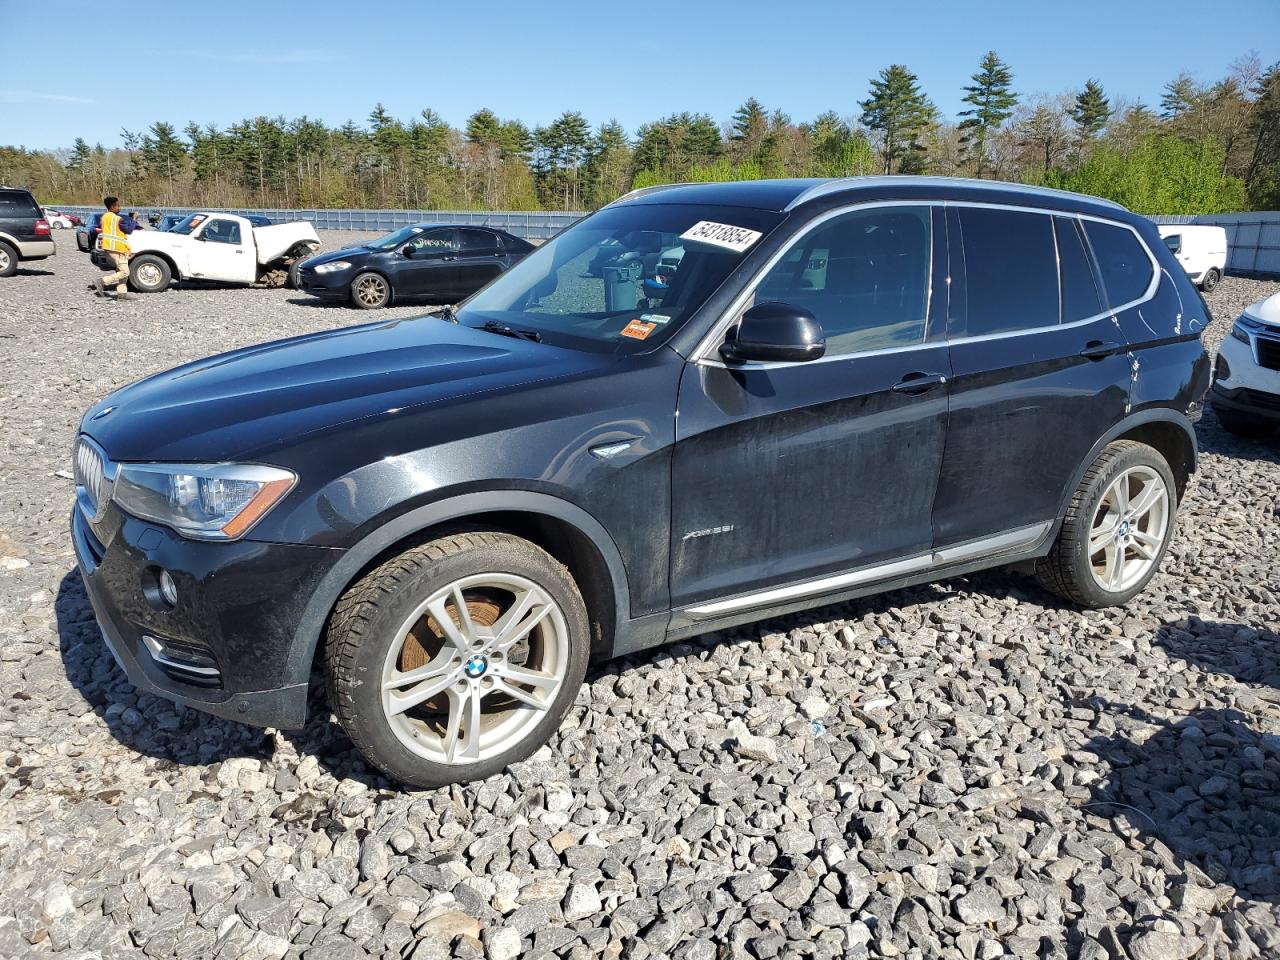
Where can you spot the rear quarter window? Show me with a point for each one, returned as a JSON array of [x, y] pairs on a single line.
[[1080, 298], [1122, 260]]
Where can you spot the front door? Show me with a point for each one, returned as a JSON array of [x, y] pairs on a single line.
[[431, 269], [785, 472], [222, 252], [1040, 371]]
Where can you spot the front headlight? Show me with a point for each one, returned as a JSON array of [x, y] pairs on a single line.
[[219, 501], [1242, 328], [333, 266]]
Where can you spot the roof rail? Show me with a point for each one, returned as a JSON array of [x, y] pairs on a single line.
[[844, 183], [644, 191]]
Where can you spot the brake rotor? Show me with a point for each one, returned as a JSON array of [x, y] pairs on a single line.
[[426, 638]]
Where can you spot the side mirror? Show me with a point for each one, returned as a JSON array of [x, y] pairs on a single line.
[[407, 250], [777, 332]]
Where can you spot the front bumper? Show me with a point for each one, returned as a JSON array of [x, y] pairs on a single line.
[[238, 607], [1255, 403], [328, 286]]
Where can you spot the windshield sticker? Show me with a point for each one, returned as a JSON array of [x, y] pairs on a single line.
[[638, 329], [655, 317], [723, 235]]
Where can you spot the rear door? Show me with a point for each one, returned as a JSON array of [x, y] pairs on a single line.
[[785, 472], [480, 259], [222, 250], [1039, 369]]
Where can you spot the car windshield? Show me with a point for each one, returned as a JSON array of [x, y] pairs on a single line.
[[627, 275], [393, 240], [189, 223]]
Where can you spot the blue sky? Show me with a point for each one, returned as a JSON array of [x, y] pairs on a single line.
[[631, 61]]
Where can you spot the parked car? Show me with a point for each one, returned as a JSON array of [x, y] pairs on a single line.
[[24, 232], [1199, 250], [225, 247], [1246, 375], [459, 515], [442, 261], [168, 221], [58, 221], [87, 234]]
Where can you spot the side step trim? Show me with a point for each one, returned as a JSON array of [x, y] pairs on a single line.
[[987, 546]]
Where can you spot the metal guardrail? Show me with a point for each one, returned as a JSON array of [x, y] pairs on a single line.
[[531, 225], [1253, 239]]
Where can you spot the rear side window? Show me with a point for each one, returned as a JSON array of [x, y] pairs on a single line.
[[478, 241], [18, 203], [1080, 298], [1122, 260], [1010, 270]]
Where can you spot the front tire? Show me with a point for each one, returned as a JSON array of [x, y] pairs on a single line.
[[148, 274], [1210, 279], [457, 658], [1117, 528], [370, 291]]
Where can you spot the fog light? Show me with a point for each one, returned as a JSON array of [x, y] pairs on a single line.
[[168, 589]]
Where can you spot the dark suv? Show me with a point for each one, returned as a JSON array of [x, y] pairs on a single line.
[[24, 232], [839, 387]]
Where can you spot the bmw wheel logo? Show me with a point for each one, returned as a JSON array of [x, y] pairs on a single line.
[[476, 666]]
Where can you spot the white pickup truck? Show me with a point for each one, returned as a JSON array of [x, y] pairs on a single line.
[[222, 247]]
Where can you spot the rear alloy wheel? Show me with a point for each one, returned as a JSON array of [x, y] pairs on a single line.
[[1210, 279], [8, 260], [457, 658], [1117, 528], [369, 291], [148, 274]]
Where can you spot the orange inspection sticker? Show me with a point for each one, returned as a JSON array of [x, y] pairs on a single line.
[[638, 329]]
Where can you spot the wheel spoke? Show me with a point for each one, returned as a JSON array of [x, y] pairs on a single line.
[[1101, 536], [525, 614], [440, 665], [470, 746], [447, 626], [1120, 494], [511, 690], [400, 702], [465, 623], [1115, 567], [457, 703], [1145, 545], [1151, 495], [534, 678]]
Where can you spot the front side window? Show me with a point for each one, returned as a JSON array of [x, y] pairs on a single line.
[[222, 231], [435, 241], [864, 275], [1174, 242], [626, 276], [1122, 260], [1011, 273]]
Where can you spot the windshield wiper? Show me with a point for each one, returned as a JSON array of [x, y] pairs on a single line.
[[506, 330], [448, 315]]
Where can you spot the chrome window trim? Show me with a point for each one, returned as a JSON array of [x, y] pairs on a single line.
[[704, 353], [1024, 536]]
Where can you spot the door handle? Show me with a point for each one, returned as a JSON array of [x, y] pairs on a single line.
[[919, 382], [1100, 349], [448, 258]]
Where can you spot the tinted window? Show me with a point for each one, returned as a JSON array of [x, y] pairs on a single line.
[[222, 231], [478, 241], [435, 241], [1174, 242], [1122, 261], [864, 275], [1079, 290], [1010, 270], [17, 203]]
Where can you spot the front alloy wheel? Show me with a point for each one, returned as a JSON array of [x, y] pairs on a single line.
[[369, 291], [457, 658]]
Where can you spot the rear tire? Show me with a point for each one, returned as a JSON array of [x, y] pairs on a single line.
[[1110, 546], [8, 260], [149, 274], [370, 291], [1210, 279], [404, 688], [1243, 425]]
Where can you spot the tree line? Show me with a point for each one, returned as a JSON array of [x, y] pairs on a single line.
[[1206, 147]]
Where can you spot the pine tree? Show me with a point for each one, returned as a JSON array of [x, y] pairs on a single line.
[[749, 130], [1091, 111], [80, 154], [901, 114], [991, 104], [1263, 177], [484, 128], [1180, 95]]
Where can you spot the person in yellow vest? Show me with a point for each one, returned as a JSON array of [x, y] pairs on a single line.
[[114, 242]]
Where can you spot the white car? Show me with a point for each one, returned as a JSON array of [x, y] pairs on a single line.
[[58, 221], [1201, 250], [222, 247], [1246, 375]]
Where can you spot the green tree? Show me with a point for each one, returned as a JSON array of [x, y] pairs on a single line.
[[80, 154], [750, 131], [1090, 112], [1180, 95], [991, 101], [1263, 176], [901, 114], [1043, 137]]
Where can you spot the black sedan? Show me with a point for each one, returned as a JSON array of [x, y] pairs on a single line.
[[439, 261]]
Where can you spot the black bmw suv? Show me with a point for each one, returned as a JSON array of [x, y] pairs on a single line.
[[836, 388], [24, 231]]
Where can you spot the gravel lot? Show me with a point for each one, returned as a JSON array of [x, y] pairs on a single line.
[[967, 769]]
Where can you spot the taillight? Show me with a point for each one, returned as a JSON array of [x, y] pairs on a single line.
[[42, 228]]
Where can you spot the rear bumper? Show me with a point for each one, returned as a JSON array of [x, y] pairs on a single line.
[[237, 610], [36, 249]]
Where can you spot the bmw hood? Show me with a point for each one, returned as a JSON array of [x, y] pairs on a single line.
[[247, 403]]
